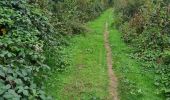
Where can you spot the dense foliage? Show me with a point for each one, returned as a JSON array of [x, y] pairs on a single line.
[[145, 26], [31, 35], [68, 16], [23, 28]]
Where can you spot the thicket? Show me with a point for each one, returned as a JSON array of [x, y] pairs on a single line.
[[31, 40], [145, 26], [69, 16]]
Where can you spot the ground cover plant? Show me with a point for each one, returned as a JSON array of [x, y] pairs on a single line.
[[144, 26]]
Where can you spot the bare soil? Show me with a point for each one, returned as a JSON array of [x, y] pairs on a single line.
[[112, 77]]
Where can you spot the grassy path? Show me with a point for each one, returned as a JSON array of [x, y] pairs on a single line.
[[87, 76], [112, 77]]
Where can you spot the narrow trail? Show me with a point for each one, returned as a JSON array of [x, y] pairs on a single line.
[[112, 76], [90, 75], [90, 65]]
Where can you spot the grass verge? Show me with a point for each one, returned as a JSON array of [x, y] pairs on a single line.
[[134, 82]]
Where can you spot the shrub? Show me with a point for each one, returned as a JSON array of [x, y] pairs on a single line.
[[21, 55], [145, 26]]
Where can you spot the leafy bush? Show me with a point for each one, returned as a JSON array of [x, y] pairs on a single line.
[[69, 16], [31, 35], [163, 79], [130, 90], [145, 26], [21, 54], [16, 84]]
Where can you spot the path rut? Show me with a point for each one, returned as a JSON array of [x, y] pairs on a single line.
[[112, 77]]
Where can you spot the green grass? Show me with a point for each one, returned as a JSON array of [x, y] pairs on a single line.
[[87, 76], [134, 83]]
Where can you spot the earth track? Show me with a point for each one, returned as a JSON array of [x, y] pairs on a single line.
[[112, 76]]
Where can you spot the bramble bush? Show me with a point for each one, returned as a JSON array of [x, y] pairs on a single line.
[[21, 56], [145, 26], [69, 16], [32, 38]]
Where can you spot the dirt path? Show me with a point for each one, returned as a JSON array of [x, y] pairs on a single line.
[[86, 78], [112, 77]]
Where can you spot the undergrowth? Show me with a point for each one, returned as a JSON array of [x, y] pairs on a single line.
[[144, 26], [32, 42]]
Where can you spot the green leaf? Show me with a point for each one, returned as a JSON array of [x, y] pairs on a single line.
[[167, 90], [9, 54], [10, 78], [18, 81], [25, 92], [20, 89], [2, 73], [24, 72], [8, 86]]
